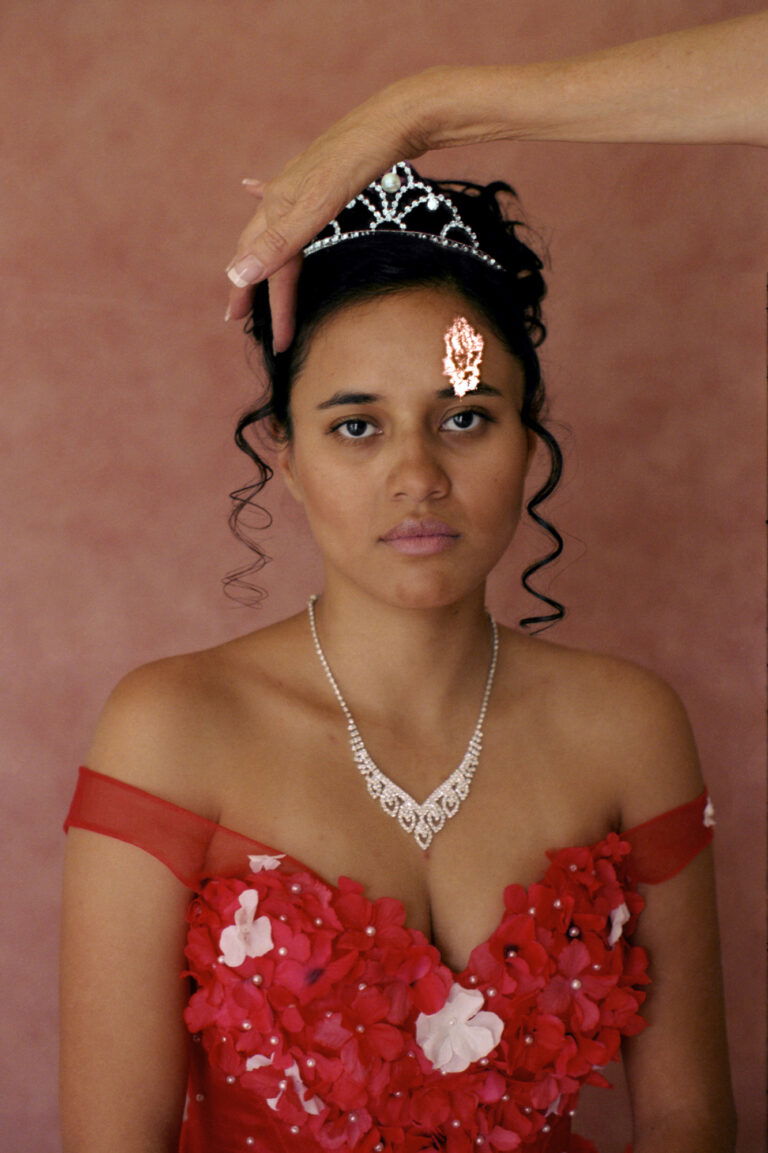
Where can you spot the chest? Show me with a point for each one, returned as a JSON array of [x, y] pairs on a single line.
[[299, 790]]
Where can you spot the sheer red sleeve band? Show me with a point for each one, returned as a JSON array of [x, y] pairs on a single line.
[[175, 836], [664, 845]]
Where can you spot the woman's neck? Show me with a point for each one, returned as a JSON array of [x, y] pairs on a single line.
[[413, 664]]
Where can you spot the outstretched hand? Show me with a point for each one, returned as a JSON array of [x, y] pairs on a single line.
[[313, 188]]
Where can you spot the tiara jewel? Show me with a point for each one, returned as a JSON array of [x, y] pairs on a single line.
[[401, 203]]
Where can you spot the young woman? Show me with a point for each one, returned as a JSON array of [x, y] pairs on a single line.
[[414, 862]]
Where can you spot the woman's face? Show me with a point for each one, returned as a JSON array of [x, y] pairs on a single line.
[[381, 446]]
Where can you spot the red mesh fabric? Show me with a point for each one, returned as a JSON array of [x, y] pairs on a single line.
[[176, 837], [194, 848], [664, 845]]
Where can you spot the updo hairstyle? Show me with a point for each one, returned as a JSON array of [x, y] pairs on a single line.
[[388, 262]]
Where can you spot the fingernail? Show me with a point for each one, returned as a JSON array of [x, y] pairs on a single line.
[[246, 271], [228, 314]]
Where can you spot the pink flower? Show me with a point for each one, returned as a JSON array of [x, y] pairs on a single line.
[[247, 937], [262, 861], [459, 1033]]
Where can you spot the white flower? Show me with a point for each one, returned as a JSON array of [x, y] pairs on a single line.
[[619, 917], [314, 1105], [709, 814], [264, 861], [247, 937], [459, 1033]]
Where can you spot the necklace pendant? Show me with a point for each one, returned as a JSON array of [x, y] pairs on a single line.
[[422, 822]]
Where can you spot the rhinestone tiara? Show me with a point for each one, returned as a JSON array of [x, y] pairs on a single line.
[[401, 203]]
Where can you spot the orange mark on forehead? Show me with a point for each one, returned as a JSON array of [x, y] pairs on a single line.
[[463, 355]]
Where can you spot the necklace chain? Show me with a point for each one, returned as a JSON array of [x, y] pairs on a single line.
[[425, 820]]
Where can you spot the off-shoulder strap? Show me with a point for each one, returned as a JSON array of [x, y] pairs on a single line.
[[664, 845], [175, 836]]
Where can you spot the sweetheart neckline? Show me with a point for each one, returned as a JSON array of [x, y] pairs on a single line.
[[456, 974], [301, 866]]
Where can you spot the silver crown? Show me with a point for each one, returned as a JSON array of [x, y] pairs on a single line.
[[388, 203]]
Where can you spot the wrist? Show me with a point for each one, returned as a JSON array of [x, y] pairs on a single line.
[[476, 104]]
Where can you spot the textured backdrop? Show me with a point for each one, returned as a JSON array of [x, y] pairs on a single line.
[[128, 129]]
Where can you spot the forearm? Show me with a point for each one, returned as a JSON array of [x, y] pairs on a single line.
[[705, 84]]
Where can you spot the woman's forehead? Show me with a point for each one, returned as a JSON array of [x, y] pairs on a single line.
[[395, 336]]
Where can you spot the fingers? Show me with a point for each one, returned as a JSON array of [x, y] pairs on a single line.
[[282, 302], [310, 191]]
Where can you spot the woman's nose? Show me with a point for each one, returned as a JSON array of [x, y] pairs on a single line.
[[417, 471]]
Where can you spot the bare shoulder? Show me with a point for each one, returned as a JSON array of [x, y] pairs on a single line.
[[628, 721], [167, 725]]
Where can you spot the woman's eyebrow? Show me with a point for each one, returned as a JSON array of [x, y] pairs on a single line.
[[340, 398]]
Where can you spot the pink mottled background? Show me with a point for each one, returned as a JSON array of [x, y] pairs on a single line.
[[127, 130]]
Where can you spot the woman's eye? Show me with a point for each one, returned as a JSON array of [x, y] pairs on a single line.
[[468, 418], [354, 429]]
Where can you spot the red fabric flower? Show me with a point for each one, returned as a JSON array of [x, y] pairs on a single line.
[[322, 1026]]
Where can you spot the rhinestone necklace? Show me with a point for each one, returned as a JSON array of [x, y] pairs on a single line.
[[422, 821]]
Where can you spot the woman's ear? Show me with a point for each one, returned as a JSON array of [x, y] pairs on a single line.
[[284, 463]]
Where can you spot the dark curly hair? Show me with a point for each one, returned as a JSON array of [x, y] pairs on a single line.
[[389, 262]]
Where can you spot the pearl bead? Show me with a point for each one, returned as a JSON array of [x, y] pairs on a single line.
[[294, 1129], [557, 903], [527, 1110], [432, 203], [490, 993], [328, 1014], [511, 951], [505, 1096], [597, 966], [529, 1038], [546, 1128], [199, 1096], [352, 1118], [224, 1040], [250, 1141], [573, 868], [575, 983], [455, 1123], [391, 182], [532, 910], [360, 1028], [318, 921], [256, 979], [410, 1053], [397, 1093], [483, 1061], [370, 930], [472, 979], [231, 1080], [362, 986], [295, 887], [574, 931], [479, 1140], [571, 1112], [282, 951], [282, 1084], [283, 917], [311, 1062], [378, 1148], [452, 1022], [274, 1040], [220, 959]]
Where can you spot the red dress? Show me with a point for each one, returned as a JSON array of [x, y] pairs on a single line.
[[320, 1021]]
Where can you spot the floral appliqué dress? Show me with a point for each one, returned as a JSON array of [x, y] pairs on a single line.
[[320, 1021]]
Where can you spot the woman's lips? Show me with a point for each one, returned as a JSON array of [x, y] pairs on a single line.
[[421, 537]]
